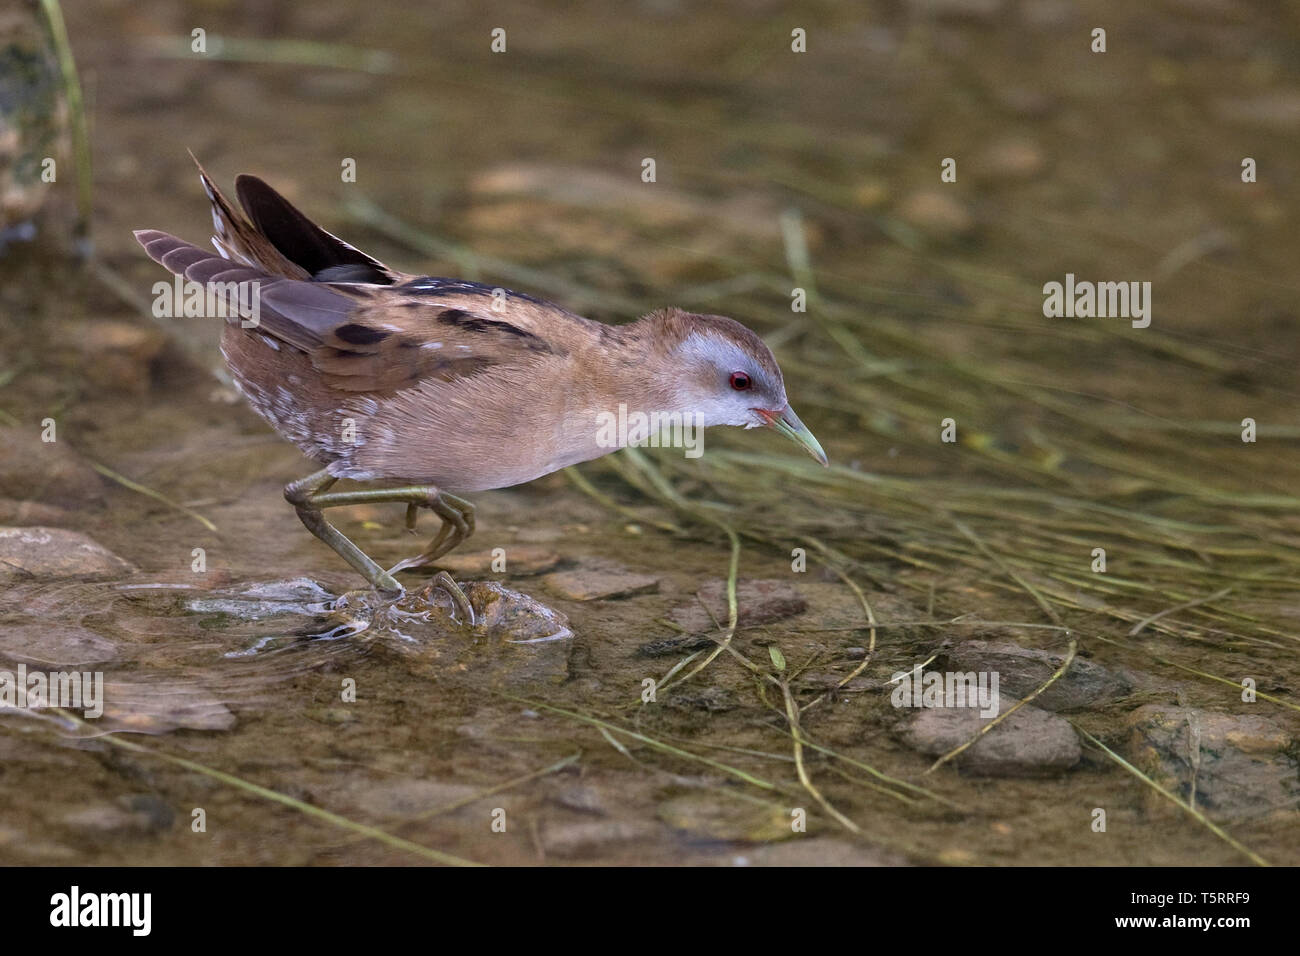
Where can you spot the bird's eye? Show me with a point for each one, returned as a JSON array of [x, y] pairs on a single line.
[[740, 381]]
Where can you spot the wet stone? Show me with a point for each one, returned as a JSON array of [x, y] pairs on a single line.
[[1235, 766], [709, 817], [45, 471], [596, 837], [133, 816], [117, 356], [520, 560], [1031, 742], [757, 602], [821, 851], [40, 552], [600, 583], [54, 644], [516, 640], [1022, 670], [675, 646], [159, 707], [16, 512], [937, 214], [1011, 160], [712, 699], [582, 799]]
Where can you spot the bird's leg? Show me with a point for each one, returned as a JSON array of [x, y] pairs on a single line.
[[311, 495], [457, 516]]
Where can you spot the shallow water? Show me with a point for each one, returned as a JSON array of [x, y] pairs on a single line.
[[925, 303]]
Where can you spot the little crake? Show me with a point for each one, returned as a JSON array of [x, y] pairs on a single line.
[[444, 385]]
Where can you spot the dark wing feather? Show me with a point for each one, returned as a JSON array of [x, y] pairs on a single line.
[[358, 345], [322, 254]]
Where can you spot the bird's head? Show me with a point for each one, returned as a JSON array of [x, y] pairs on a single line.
[[726, 375]]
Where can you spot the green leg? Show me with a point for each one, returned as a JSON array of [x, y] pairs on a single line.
[[311, 495]]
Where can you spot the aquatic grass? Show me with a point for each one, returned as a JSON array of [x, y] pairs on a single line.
[[135, 486], [77, 111], [274, 796], [276, 51], [1002, 523], [478, 795], [1183, 805]]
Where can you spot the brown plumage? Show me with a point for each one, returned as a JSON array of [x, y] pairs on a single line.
[[381, 375]]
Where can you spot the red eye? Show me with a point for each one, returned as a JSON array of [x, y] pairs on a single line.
[[740, 381]]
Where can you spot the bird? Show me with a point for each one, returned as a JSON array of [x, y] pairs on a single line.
[[443, 386]]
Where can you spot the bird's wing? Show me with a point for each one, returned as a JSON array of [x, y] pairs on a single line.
[[378, 339]]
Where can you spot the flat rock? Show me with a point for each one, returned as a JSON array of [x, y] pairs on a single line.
[[821, 851], [118, 355], [582, 799], [159, 707], [520, 559], [600, 583], [1031, 742], [136, 817], [757, 602], [596, 836], [17, 512], [51, 472], [40, 552], [1234, 765], [710, 816], [54, 644], [1022, 670], [937, 214]]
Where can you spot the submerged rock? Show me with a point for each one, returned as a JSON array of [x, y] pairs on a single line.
[[1030, 742], [591, 838], [159, 707], [708, 816], [520, 560], [55, 644], [822, 851], [40, 552], [51, 472], [757, 602], [1022, 670], [600, 583], [1233, 765]]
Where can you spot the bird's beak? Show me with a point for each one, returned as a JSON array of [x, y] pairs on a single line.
[[787, 423]]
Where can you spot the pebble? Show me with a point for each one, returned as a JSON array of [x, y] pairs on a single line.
[[118, 356], [159, 707], [706, 816], [1030, 742], [51, 472], [1011, 160], [582, 799], [938, 214], [1236, 766], [41, 552], [1021, 670], [592, 838], [599, 583], [757, 602], [16, 512], [54, 644], [520, 559], [823, 851]]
